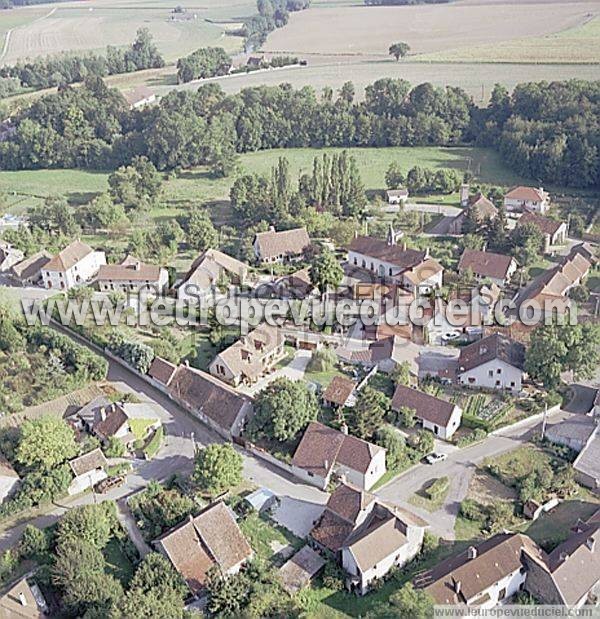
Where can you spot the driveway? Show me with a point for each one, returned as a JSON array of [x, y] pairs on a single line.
[[582, 401], [459, 466], [294, 371]]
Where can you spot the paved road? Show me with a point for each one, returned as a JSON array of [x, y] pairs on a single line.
[[459, 467], [183, 434]]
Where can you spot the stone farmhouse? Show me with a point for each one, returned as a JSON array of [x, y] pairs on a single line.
[[132, 275], [284, 246], [487, 266], [76, 264]]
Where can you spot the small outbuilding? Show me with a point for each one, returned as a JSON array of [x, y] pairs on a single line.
[[297, 573]]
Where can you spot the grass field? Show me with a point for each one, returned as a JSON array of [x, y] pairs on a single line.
[[26, 188], [361, 30], [580, 44], [97, 23]]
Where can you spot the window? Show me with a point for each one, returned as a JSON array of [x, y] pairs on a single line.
[[497, 383], [502, 594], [355, 261], [471, 380], [490, 373], [512, 383], [499, 371]]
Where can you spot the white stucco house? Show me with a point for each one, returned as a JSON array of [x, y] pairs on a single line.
[[9, 479], [495, 362], [366, 536], [487, 266], [76, 264], [88, 470], [412, 269], [434, 414], [134, 276], [324, 453], [527, 198]]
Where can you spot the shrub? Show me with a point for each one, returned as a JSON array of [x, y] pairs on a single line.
[[333, 577], [472, 510], [33, 542], [438, 487]]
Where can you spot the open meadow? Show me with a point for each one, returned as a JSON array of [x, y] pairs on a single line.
[[338, 30], [28, 187], [94, 24]]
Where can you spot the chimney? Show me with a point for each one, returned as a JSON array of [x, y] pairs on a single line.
[[271, 228], [590, 542], [464, 195], [344, 429], [427, 252], [391, 240], [326, 464], [564, 556], [457, 586], [103, 413], [22, 599], [471, 553], [404, 246]]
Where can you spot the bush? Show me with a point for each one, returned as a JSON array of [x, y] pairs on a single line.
[[323, 360], [472, 510], [438, 487], [333, 577], [115, 448], [33, 542], [154, 445], [473, 437]]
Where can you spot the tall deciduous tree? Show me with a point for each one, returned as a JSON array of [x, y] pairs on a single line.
[[399, 50], [45, 443], [283, 409], [368, 415], [218, 468], [326, 272]]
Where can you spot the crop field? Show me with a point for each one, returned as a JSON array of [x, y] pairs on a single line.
[[334, 30], [94, 24]]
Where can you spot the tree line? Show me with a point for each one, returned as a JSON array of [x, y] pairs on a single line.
[[204, 62], [62, 69], [548, 131], [271, 14], [403, 2]]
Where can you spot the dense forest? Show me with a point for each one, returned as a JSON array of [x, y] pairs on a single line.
[[65, 69], [549, 131]]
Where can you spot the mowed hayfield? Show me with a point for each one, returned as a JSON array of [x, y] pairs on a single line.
[[580, 44], [94, 24], [29, 187], [333, 29]]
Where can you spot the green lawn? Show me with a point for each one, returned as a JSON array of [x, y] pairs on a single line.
[[552, 528], [140, 427], [27, 187], [261, 533]]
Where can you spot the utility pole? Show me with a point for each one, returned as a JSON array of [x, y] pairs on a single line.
[[544, 421]]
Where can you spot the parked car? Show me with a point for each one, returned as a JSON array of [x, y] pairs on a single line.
[[451, 336], [110, 483], [432, 458]]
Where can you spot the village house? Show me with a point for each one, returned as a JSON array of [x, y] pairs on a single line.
[[587, 463], [209, 270], [412, 269], [397, 196], [297, 285], [465, 313], [212, 539], [482, 576], [23, 600], [495, 362], [570, 574], [88, 469], [385, 354], [340, 393], [366, 537], [76, 264], [477, 206], [139, 97], [283, 246], [9, 479], [487, 266], [549, 291], [132, 275], [527, 199], [218, 405], [554, 231], [440, 417], [113, 420], [9, 256], [28, 272], [324, 452], [251, 357]]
